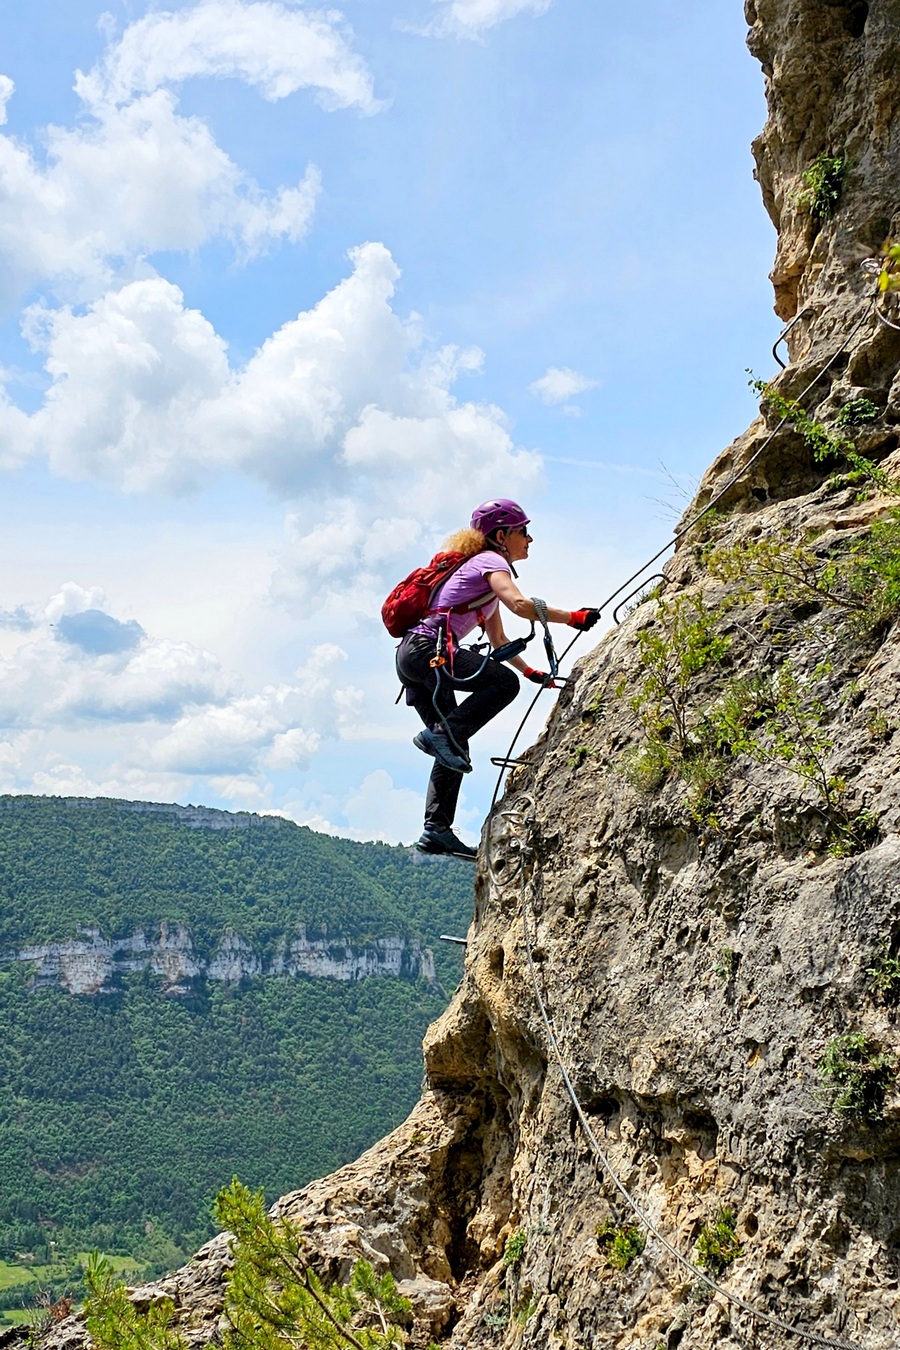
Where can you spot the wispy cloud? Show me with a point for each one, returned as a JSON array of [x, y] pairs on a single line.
[[473, 18], [274, 47], [559, 384]]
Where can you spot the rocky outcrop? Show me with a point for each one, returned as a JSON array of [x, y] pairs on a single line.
[[93, 964], [698, 944], [831, 90]]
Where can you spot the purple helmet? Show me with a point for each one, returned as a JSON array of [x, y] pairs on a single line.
[[498, 514]]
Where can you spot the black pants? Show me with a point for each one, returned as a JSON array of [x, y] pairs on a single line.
[[487, 695]]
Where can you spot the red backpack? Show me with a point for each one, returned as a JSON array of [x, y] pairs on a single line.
[[410, 600]]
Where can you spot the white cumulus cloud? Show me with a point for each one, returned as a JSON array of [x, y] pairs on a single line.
[[89, 689], [472, 18], [126, 184], [275, 47], [133, 176], [559, 384], [82, 665], [343, 411], [7, 88], [280, 726]]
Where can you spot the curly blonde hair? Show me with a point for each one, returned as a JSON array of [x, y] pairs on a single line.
[[466, 541]]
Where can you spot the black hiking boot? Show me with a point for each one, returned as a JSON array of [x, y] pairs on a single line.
[[445, 841], [437, 743]]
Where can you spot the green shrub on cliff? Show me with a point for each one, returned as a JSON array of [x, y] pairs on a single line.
[[272, 1292], [718, 1245], [884, 976], [273, 1298], [676, 651], [824, 185], [113, 1321], [620, 1243], [861, 581], [856, 1075]]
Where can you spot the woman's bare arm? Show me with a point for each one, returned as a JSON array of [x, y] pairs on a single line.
[[496, 635], [506, 590]]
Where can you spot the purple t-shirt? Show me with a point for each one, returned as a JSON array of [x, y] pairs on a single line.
[[468, 585]]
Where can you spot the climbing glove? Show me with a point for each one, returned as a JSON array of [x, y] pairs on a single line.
[[539, 677], [583, 619]]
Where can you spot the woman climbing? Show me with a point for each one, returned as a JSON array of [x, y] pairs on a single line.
[[433, 668]]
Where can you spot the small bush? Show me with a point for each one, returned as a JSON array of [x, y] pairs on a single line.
[[646, 768], [862, 581], [822, 444], [674, 654], [856, 1075], [884, 977], [824, 185], [857, 413], [726, 963], [717, 1245], [113, 1321], [515, 1249], [620, 1244], [872, 570], [526, 1312], [878, 726]]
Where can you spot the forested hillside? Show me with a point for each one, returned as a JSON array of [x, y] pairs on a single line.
[[123, 1112], [71, 862]]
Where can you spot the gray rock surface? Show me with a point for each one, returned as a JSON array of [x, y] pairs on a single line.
[[694, 969]]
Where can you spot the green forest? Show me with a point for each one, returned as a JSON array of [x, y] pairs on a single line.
[[122, 1114]]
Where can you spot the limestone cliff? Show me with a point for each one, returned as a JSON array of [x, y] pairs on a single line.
[[698, 947], [92, 964]]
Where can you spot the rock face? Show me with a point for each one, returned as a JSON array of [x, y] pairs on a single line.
[[831, 90], [698, 943], [91, 963]]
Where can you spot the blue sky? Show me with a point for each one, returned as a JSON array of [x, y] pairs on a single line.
[[285, 292]]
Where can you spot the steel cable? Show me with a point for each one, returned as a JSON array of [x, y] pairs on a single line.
[[871, 307], [697, 1273], [521, 846]]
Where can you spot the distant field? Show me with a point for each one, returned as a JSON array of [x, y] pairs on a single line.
[[27, 1281], [11, 1275]]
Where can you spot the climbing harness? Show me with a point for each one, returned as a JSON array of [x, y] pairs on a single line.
[[442, 665], [442, 662], [522, 817]]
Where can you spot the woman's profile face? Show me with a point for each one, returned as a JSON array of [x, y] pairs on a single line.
[[517, 542]]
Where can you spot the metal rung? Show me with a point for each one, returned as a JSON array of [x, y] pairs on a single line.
[[642, 586], [504, 762], [803, 314], [460, 942]]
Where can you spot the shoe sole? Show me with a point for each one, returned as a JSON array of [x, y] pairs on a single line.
[[446, 853], [461, 766]]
